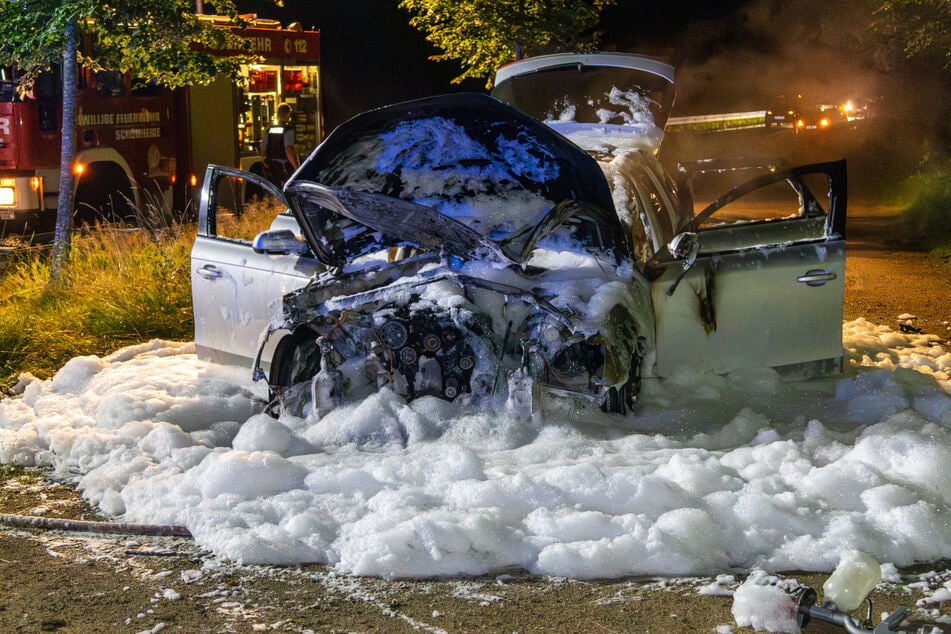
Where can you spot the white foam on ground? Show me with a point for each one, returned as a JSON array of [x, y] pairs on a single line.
[[712, 474]]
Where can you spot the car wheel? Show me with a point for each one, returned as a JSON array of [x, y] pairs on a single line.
[[621, 400], [616, 400]]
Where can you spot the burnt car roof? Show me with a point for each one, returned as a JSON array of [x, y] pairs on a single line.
[[467, 157]]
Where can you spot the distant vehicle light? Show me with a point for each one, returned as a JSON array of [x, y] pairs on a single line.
[[824, 122], [800, 124]]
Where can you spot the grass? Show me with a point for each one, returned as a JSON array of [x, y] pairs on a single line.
[[122, 286]]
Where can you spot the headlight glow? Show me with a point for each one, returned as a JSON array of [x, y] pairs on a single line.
[[7, 193]]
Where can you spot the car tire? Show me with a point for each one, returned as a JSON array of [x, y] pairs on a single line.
[[621, 400], [616, 400]]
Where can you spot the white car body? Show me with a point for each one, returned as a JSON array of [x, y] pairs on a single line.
[[236, 290], [770, 308], [764, 293]]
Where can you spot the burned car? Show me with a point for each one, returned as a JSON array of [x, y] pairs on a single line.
[[522, 246]]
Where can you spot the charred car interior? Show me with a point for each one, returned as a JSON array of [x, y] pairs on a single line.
[[522, 247]]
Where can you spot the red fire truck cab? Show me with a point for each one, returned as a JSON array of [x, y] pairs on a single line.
[[141, 146]]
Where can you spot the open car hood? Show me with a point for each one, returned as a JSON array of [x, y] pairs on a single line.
[[462, 172], [601, 101]]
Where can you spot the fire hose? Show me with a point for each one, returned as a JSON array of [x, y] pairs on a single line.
[[116, 528]]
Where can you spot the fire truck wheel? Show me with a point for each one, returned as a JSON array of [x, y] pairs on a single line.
[[104, 194]]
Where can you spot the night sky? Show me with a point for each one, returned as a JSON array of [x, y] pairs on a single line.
[[372, 57], [731, 55]]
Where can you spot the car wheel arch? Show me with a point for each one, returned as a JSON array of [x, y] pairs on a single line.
[[295, 357]]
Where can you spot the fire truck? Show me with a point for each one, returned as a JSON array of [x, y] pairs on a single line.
[[141, 144]]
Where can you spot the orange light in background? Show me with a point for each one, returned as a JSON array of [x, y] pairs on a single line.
[[78, 169], [173, 179], [800, 123], [824, 122], [35, 183], [193, 180]]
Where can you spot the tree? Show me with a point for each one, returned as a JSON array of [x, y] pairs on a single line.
[[155, 40], [922, 27], [485, 34]]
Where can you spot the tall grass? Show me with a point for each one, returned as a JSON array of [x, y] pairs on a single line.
[[122, 286]]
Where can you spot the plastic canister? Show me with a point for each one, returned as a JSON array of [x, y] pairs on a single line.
[[852, 580]]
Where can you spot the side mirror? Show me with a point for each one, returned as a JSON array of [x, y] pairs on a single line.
[[684, 247], [279, 242]]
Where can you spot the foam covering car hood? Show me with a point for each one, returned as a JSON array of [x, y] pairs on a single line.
[[468, 157]]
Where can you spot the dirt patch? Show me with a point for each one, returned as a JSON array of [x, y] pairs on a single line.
[[886, 277], [57, 582], [52, 581]]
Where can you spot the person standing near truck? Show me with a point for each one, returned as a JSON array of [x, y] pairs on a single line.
[[277, 147]]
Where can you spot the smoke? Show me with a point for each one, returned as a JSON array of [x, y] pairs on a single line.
[[800, 54], [793, 53]]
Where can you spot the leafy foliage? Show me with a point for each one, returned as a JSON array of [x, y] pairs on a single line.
[[161, 40], [155, 40], [485, 34], [923, 27]]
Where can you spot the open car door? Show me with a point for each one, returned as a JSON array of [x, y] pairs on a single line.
[[247, 255], [756, 282]]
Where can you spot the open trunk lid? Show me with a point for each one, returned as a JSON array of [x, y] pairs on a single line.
[[601, 101]]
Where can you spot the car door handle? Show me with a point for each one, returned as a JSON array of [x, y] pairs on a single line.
[[209, 272], [816, 277]]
